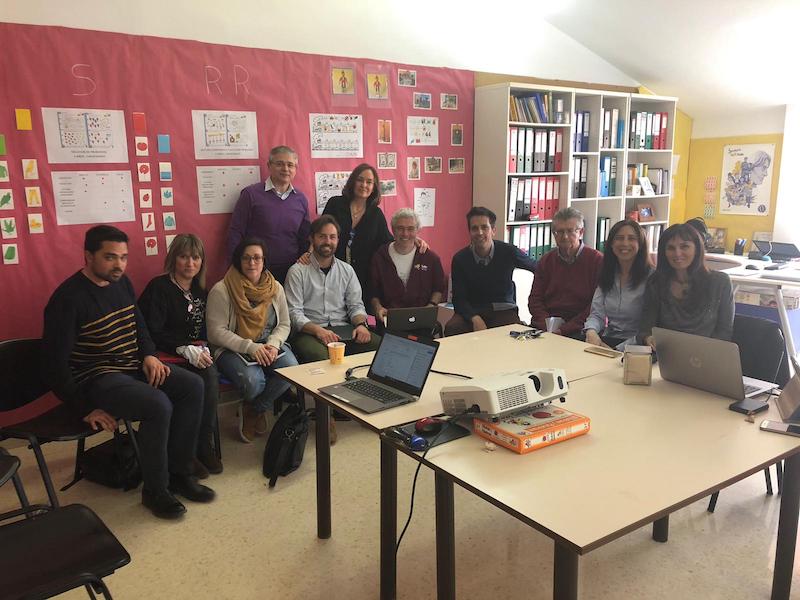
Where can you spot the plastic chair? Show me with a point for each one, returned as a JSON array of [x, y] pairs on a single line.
[[763, 355], [53, 550]]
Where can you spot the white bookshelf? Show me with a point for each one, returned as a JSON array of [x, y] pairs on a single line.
[[492, 177]]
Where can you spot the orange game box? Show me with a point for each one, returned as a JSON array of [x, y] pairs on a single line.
[[530, 430]]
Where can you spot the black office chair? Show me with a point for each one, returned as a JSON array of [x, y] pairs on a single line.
[[53, 550], [20, 366], [763, 356]]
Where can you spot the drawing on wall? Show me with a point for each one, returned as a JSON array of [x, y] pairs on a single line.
[[6, 199], [10, 254], [8, 227], [222, 134], [455, 165], [457, 134], [413, 168], [33, 197], [425, 205], [422, 100], [384, 131], [746, 179], [388, 187], [423, 131], [377, 86], [4, 177], [329, 184], [343, 81], [448, 101], [35, 223], [336, 135], [84, 135], [406, 78], [387, 160], [433, 164]]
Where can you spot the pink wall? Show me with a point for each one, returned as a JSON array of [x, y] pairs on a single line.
[[166, 79]]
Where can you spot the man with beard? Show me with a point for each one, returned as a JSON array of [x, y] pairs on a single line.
[[99, 359], [326, 294]]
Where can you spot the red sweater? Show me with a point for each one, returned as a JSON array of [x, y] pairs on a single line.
[[564, 290]]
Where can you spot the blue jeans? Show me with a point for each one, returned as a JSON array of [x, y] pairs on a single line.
[[258, 385]]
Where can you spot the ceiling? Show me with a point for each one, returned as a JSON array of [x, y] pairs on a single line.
[[730, 57]]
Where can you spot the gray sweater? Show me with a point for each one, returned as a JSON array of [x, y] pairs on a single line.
[[712, 318]]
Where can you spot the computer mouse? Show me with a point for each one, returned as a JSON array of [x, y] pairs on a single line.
[[429, 426], [752, 267]]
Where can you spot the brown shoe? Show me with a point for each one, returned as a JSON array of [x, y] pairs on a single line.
[[248, 420], [261, 424], [332, 432]]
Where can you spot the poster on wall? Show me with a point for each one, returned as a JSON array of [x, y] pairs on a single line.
[[218, 188], [329, 184], [224, 134], [423, 131], [746, 185], [336, 136], [84, 135], [93, 197], [425, 205]]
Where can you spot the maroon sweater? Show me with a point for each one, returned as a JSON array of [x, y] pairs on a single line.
[[427, 276], [565, 290]]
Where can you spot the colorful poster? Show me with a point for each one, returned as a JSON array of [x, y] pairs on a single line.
[[218, 188], [423, 131], [336, 136], [746, 179], [80, 135], [224, 134], [329, 184], [92, 197]]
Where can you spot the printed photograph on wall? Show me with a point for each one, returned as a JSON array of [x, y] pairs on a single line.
[[343, 81], [746, 179], [406, 78], [377, 86]]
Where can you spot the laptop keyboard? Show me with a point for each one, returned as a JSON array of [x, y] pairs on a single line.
[[749, 389], [369, 389]]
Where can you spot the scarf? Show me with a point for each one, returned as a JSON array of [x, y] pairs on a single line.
[[250, 320]]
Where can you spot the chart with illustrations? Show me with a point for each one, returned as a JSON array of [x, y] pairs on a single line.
[[336, 136], [221, 134], [328, 185], [85, 135]]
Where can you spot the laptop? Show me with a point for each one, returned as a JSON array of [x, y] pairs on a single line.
[[407, 319], [777, 251], [788, 402], [396, 376], [705, 363]]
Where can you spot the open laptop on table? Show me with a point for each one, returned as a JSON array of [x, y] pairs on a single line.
[[705, 363], [396, 376], [408, 319]]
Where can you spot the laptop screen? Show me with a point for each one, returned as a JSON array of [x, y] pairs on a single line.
[[777, 250], [403, 363]]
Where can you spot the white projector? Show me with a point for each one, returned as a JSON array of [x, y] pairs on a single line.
[[498, 395]]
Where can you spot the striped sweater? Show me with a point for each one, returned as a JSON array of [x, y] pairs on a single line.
[[89, 331]]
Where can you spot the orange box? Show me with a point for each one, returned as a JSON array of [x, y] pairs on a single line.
[[530, 430]]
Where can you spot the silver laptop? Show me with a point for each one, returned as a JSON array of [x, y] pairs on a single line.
[[407, 319], [788, 401], [396, 376], [705, 363]]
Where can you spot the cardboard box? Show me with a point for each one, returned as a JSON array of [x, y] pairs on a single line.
[[530, 430]]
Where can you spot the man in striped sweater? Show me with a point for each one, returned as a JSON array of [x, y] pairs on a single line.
[[99, 360]]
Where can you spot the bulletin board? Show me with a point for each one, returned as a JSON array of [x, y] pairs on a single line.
[[156, 136]]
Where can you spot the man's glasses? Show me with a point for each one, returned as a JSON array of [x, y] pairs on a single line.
[[566, 232], [252, 259], [281, 164]]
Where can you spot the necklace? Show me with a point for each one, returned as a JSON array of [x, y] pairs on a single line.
[[356, 213]]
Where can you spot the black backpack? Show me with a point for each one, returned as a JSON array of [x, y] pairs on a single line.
[[112, 463], [286, 444]]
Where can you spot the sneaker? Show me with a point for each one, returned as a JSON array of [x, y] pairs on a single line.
[[248, 419], [199, 469], [163, 504], [208, 458], [187, 486], [262, 427]]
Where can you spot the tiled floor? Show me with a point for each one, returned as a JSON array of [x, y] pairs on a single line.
[[261, 544]]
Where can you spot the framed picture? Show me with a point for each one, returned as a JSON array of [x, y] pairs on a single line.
[[406, 78], [646, 212], [647, 187], [455, 165], [448, 101], [433, 164], [457, 134], [422, 100], [716, 237]]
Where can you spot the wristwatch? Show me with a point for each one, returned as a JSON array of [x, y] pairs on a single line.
[[362, 324]]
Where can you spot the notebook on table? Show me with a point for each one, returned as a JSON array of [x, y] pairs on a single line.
[[407, 319], [705, 363], [396, 376]]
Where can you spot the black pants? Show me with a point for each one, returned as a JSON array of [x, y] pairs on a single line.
[[169, 419], [210, 377], [492, 318]]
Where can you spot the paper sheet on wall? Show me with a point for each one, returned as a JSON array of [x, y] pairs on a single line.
[[218, 188], [425, 205], [328, 185], [223, 134], [422, 131], [336, 136], [93, 197], [81, 135]]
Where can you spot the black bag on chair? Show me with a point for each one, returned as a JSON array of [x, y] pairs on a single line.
[[286, 443], [112, 463]]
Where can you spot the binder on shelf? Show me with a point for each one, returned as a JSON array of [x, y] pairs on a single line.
[[536, 211], [512, 149], [656, 131], [578, 141], [542, 194], [620, 133], [526, 198], [586, 121], [529, 148], [648, 132], [632, 134], [548, 194], [521, 149], [584, 174], [612, 177], [605, 170], [556, 197], [524, 238], [576, 176], [540, 151], [663, 134], [559, 151], [601, 233], [551, 150], [512, 198], [641, 125], [606, 128], [520, 201], [615, 128]]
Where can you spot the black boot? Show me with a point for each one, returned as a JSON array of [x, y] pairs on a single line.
[[163, 504], [187, 486], [207, 456]]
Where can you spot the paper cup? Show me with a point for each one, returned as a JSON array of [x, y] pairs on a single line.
[[553, 323], [336, 352]]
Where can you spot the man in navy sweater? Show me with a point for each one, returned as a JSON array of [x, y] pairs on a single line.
[[483, 290]]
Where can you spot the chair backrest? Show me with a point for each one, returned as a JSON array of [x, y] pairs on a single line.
[[20, 372], [761, 348]]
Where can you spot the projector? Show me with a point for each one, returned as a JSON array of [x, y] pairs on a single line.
[[498, 395]]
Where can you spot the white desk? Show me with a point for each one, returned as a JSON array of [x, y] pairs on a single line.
[[650, 451]]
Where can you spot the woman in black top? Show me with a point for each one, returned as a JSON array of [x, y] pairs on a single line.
[[174, 306]]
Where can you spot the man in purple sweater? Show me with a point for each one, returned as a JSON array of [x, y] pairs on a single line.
[[275, 212], [566, 277]]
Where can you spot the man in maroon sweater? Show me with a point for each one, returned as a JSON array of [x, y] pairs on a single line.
[[566, 277]]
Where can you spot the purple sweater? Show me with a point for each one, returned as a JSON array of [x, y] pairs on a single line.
[[283, 224]]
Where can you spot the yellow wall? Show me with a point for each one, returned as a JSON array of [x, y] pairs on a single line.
[[705, 161], [681, 146]]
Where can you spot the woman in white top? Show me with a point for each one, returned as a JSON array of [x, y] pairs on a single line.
[[617, 302]]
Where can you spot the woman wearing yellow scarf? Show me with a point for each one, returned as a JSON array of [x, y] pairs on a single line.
[[248, 323]]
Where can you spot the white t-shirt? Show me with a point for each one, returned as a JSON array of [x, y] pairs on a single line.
[[402, 262]]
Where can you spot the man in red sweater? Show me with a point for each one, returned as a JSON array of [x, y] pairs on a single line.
[[566, 277]]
